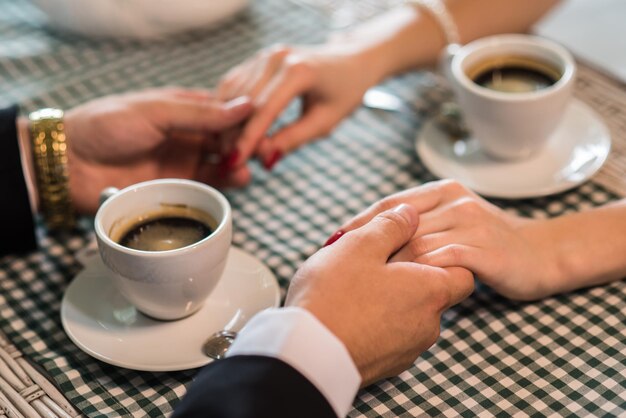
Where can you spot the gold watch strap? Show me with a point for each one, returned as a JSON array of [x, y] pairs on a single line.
[[50, 159]]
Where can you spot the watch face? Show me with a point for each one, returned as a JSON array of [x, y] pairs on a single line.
[[46, 114]]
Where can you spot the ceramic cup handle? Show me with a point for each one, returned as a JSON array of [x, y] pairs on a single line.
[[445, 60], [86, 254], [106, 193]]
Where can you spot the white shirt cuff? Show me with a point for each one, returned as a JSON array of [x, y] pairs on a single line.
[[298, 338]]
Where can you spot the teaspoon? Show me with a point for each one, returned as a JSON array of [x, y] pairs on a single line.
[[217, 345]]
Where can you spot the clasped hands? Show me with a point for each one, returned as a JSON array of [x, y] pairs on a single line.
[[382, 287], [210, 135]]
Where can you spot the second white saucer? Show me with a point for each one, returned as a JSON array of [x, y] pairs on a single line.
[[106, 326], [574, 152]]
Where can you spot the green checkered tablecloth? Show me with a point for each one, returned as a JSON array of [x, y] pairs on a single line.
[[563, 356]]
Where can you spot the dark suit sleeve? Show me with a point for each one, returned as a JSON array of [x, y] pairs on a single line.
[[252, 386], [17, 232]]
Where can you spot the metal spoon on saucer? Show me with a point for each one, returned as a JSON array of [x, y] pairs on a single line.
[[450, 120], [379, 99], [217, 345], [448, 115]]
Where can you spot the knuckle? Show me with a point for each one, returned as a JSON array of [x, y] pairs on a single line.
[[227, 83], [417, 247], [452, 187], [384, 204], [468, 206], [455, 253], [298, 67], [279, 51], [391, 220]]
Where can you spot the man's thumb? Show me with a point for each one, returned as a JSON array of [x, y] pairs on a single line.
[[388, 231]]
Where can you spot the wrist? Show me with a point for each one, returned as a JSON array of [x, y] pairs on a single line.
[[422, 44], [400, 40], [365, 56], [299, 339], [372, 60], [549, 273], [327, 316], [74, 162], [26, 154], [49, 155]]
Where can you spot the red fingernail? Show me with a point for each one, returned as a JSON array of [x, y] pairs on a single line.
[[231, 161], [334, 237], [274, 158], [223, 170]]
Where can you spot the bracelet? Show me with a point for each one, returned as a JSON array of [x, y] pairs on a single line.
[[439, 12], [50, 159]]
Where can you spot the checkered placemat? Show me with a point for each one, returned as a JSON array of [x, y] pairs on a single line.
[[564, 356], [608, 98]]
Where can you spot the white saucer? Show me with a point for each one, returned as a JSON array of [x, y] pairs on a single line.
[[575, 151], [106, 326]]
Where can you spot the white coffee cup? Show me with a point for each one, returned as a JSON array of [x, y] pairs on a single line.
[[168, 284], [509, 125]]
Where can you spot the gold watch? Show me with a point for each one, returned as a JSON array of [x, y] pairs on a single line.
[[49, 145]]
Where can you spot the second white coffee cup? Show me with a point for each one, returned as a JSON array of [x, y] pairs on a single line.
[[168, 284], [511, 125]]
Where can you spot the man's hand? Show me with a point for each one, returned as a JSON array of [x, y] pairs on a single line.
[[385, 313], [121, 140]]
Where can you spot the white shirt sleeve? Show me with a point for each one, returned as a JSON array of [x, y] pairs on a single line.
[[298, 338]]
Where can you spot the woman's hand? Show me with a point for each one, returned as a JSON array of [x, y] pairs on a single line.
[[121, 140], [331, 80], [458, 228], [385, 313]]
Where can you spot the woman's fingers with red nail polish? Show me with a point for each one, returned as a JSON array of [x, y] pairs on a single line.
[[271, 161], [334, 237], [317, 123], [231, 159]]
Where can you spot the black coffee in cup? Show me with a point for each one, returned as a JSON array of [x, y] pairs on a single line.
[[514, 74], [171, 228]]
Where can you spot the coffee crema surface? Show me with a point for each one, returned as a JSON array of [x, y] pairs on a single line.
[[172, 227], [514, 74]]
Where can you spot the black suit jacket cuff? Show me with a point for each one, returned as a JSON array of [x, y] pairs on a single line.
[[16, 220], [253, 386]]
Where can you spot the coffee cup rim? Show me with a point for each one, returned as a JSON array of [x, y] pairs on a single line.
[[222, 224], [519, 39]]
